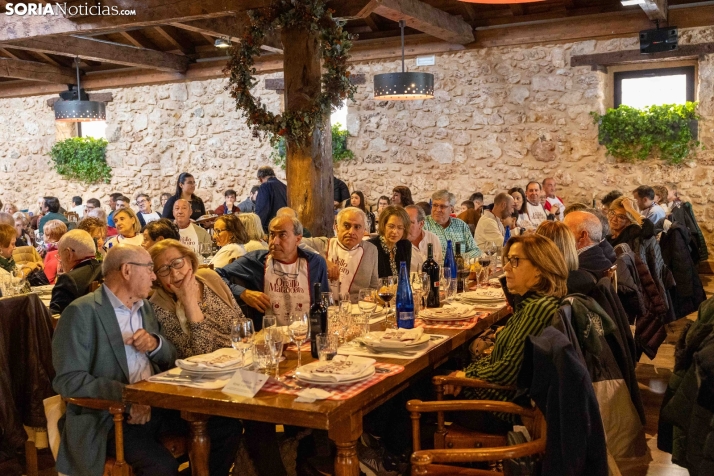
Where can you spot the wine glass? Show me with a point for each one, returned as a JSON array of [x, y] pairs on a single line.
[[446, 282], [274, 337], [299, 330], [269, 321], [386, 291], [420, 286], [206, 249], [242, 334]]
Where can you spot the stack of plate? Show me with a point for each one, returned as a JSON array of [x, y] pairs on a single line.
[[486, 298], [449, 312], [374, 341], [216, 363], [339, 371]]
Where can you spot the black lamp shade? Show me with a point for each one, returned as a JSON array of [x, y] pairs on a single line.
[[80, 111], [403, 86]]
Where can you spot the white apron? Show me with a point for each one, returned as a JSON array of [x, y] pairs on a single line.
[[348, 261], [288, 287]]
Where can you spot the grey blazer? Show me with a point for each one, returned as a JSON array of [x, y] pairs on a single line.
[[90, 362], [367, 275]]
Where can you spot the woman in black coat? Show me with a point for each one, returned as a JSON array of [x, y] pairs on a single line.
[[392, 244], [185, 186]]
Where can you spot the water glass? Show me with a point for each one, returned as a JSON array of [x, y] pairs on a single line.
[[299, 331], [445, 282], [327, 345], [263, 354], [242, 334], [274, 337], [269, 321]]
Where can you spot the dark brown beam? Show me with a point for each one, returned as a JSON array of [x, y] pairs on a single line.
[[148, 13], [102, 51], [634, 56], [369, 20], [423, 17], [518, 9], [138, 39], [177, 39], [469, 12], [278, 84], [231, 28], [36, 71], [46, 58], [655, 9]]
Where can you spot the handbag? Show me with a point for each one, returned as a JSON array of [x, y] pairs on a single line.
[[37, 278]]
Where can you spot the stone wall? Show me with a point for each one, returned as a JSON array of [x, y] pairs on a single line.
[[501, 117]]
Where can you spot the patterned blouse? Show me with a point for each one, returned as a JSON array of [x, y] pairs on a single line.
[[392, 253], [213, 333]]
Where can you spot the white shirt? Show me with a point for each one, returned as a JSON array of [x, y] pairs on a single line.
[[137, 240], [190, 238], [556, 202], [489, 229], [149, 217], [255, 245], [226, 254], [419, 254], [653, 213], [79, 210], [130, 321], [534, 216]]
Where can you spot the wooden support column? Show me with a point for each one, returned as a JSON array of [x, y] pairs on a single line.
[[309, 166]]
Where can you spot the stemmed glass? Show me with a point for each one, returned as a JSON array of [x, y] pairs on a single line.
[[490, 250], [274, 338], [299, 330], [345, 314], [269, 321], [242, 334], [367, 305], [420, 286], [206, 249], [386, 293], [446, 282]]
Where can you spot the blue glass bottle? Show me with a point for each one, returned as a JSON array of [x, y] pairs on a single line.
[[450, 261], [405, 300]]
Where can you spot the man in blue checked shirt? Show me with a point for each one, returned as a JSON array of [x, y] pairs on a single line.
[[443, 225]]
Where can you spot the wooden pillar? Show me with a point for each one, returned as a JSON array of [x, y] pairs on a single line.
[[308, 167]]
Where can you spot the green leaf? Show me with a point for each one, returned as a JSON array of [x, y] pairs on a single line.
[[82, 159]]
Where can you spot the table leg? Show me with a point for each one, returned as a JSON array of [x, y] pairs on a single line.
[[200, 448], [345, 434]]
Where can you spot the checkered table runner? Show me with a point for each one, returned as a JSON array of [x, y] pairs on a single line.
[[341, 392], [465, 324]]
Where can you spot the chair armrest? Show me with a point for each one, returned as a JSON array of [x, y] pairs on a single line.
[[417, 406], [111, 406], [425, 457], [441, 380]]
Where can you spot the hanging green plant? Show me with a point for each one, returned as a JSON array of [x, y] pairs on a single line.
[[82, 159], [335, 43], [340, 152], [667, 132]]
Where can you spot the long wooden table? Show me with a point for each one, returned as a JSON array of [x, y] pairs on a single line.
[[342, 419]]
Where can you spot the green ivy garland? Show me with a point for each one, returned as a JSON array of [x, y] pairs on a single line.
[[82, 159], [335, 44], [664, 131]]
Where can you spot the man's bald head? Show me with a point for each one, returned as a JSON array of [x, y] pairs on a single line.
[[121, 254], [585, 226]]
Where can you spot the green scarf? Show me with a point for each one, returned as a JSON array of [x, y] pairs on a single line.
[[7, 264]]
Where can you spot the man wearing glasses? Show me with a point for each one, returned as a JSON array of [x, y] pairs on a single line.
[[447, 228], [145, 215], [105, 341], [276, 281]]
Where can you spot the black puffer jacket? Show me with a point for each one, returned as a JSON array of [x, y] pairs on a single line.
[[688, 294]]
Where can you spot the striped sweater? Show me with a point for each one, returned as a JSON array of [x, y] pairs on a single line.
[[533, 314]]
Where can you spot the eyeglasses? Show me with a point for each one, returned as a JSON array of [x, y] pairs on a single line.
[[139, 202], [439, 206], [619, 216], [514, 261], [217, 231], [143, 265], [283, 274], [165, 270], [391, 227]]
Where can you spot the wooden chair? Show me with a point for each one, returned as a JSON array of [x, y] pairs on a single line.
[[117, 466], [459, 445]]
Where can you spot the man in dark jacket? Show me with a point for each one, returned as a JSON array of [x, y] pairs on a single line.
[[341, 192], [587, 230], [278, 281], [248, 205], [272, 195], [77, 252]]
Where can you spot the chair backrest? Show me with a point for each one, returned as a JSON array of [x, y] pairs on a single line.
[[94, 285]]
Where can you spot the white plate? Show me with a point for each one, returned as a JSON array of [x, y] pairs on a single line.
[[446, 319], [367, 373], [373, 339]]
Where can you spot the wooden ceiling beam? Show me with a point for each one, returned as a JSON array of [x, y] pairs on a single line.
[[177, 39], [369, 20], [655, 9], [36, 71], [634, 56], [103, 51], [138, 39], [423, 17], [231, 28], [147, 13]]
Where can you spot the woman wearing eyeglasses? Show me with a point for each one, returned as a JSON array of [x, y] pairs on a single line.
[[626, 224], [230, 236], [392, 244], [536, 271]]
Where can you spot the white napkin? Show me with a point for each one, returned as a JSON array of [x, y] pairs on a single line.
[[453, 309], [174, 377], [341, 368], [402, 335], [218, 359], [309, 395]]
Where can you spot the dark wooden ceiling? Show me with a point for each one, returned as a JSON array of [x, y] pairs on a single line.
[[173, 39]]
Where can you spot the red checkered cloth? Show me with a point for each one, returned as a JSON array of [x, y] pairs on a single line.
[[303, 348], [465, 324], [341, 392]]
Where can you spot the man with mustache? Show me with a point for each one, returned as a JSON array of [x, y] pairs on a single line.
[[279, 280]]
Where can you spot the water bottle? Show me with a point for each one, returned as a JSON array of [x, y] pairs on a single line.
[[405, 301]]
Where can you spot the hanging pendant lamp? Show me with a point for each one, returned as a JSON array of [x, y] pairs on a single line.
[[75, 106], [403, 86]]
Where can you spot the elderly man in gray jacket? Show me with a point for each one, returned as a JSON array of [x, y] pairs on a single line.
[[351, 262]]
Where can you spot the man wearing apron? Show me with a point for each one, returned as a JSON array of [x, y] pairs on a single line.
[[277, 281]]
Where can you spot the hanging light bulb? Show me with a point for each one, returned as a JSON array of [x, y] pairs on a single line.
[[222, 43], [75, 106], [403, 86]]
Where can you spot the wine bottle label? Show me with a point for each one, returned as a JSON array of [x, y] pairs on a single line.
[[436, 284]]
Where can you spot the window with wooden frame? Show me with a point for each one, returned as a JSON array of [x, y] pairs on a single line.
[[649, 87]]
